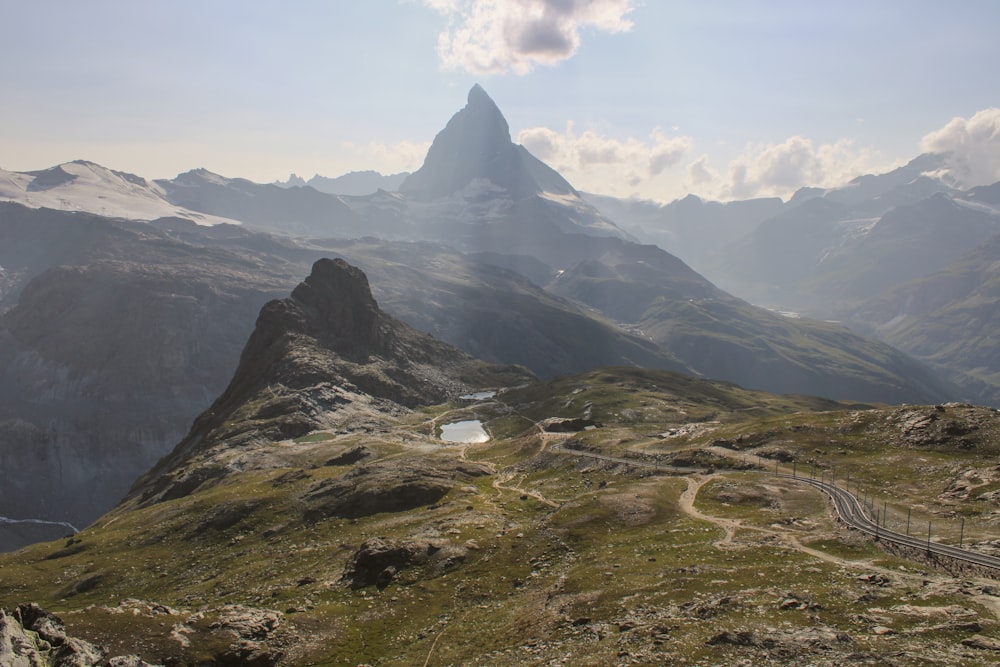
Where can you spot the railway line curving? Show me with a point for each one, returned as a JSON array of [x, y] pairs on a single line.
[[848, 507]]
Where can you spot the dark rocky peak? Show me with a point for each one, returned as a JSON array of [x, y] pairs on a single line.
[[476, 145], [333, 304], [481, 108], [324, 358]]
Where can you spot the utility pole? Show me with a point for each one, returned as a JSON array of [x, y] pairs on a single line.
[[961, 535], [908, 511], [793, 468], [885, 512], [928, 536]]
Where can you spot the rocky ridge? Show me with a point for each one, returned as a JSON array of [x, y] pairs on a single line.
[[325, 358]]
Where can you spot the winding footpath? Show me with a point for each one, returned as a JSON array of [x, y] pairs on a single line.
[[849, 510]]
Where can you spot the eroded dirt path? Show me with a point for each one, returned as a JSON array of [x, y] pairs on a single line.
[[731, 526], [500, 483], [686, 502]]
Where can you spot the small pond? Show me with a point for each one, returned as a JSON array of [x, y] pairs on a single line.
[[478, 396], [468, 432]]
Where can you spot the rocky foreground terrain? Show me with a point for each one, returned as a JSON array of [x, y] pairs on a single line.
[[314, 516]]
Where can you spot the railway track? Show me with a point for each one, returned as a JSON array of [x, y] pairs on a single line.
[[849, 509], [852, 512]]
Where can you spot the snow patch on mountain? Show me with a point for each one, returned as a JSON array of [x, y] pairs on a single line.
[[583, 214], [978, 206], [89, 187]]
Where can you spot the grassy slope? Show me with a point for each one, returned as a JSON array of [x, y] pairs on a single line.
[[568, 561]]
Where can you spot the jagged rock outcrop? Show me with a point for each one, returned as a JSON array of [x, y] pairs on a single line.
[[33, 637], [325, 357], [379, 560]]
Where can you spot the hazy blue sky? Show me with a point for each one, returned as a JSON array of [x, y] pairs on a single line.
[[729, 98]]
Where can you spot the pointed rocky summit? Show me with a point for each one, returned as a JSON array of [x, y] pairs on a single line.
[[325, 358], [475, 145]]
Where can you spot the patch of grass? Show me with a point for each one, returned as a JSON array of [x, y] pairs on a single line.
[[314, 437]]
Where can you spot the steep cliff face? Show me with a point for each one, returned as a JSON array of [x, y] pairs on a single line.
[[475, 145], [98, 385], [115, 337], [326, 357], [480, 191]]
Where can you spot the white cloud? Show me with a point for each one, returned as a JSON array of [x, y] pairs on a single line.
[[495, 36], [655, 167], [390, 158], [700, 174], [973, 146], [778, 170], [666, 151], [591, 160]]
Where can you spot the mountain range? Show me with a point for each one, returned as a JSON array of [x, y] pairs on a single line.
[[116, 332], [882, 254], [315, 514], [245, 390], [357, 183]]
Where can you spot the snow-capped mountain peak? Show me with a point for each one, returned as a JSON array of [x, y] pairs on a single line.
[[81, 185]]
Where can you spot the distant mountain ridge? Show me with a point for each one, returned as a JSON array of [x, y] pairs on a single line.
[[296, 211], [901, 255], [85, 186], [946, 318], [354, 183], [481, 193]]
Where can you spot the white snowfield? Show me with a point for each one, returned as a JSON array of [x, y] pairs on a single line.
[[89, 187], [584, 215]]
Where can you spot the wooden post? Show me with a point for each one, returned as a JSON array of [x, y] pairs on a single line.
[[885, 512]]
